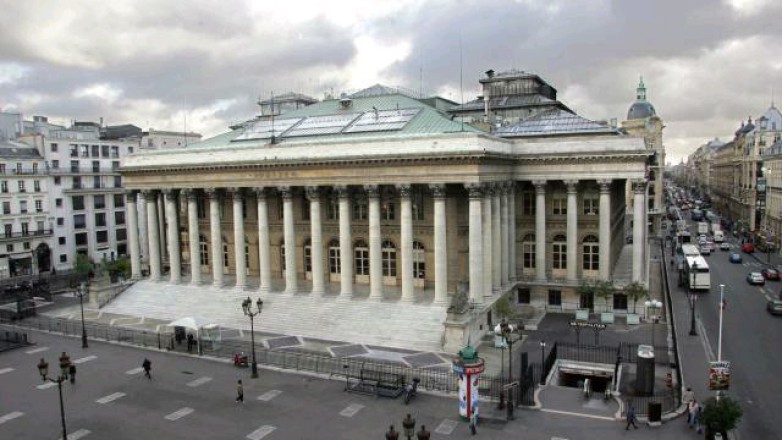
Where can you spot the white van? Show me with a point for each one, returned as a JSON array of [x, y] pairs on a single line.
[[719, 236]]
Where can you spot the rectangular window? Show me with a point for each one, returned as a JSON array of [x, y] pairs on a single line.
[[96, 151], [18, 168], [119, 201], [79, 221], [99, 201], [74, 166], [26, 245], [96, 182], [9, 248], [61, 241], [39, 206], [122, 235], [96, 166], [100, 220], [35, 167], [528, 252], [559, 205], [528, 203], [524, 296], [104, 151], [559, 255], [25, 228], [53, 148], [85, 150], [555, 297], [119, 218], [60, 221], [417, 202], [57, 180], [333, 208], [37, 186], [591, 205], [360, 209], [117, 181], [130, 150], [39, 227], [620, 301], [55, 164], [78, 203], [74, 150], [77, 182], [21, 186], [387, 210], [6, 208], [114, 165], [63, 258], [9, 230], [114, 151], [23, 206], [4, 186], [80, 238]]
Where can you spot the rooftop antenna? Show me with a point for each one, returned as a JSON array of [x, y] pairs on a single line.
[[184, 115], [772, 96], [461, 79], [273, 140], [421, 82]]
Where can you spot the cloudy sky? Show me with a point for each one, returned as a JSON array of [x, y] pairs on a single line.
[[708, 64]]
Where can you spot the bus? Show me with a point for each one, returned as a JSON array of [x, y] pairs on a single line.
[[690, 250], [696, 274]]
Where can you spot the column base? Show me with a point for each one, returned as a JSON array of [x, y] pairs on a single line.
[[240, 287], [318, 292], [407, 300], [195, 282]]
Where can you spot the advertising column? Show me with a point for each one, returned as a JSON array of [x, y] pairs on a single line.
[[468, 367]]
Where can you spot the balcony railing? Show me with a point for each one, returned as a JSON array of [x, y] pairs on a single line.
[[83, 170], [21, 234], [23, 172]]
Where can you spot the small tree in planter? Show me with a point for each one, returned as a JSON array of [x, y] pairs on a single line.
[[605, 290], [503, 309], [118, 268], [721, 416], [636, 291]]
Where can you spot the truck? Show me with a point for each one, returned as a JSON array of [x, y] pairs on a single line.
[[703, 228]]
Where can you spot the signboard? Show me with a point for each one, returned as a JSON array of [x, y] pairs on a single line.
[[719, 375], [592, 325]]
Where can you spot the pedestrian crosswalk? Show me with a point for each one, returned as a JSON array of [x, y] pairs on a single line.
[[178, 414], [10, 416]]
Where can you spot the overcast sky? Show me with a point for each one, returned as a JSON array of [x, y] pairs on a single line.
[[707, 64]]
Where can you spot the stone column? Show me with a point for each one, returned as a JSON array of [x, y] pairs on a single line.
[[639, 190], [143, 229], [216, 235], [240, 259], [406, 237], [540, 229], [504, 236], [512, 231], [264, 252], [605, 229], [572, 229], [496, 238], [440, 246], [161, 223], [487, 239], [193, 236], [345, 243], [375, 244], [154, 239], [289, 231], [135, 249], [476, 242], [316, 241], [173, 236]]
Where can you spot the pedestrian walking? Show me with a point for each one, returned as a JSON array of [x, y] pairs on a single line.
[[408, 424], [239, 392], [699, 419], [65, 363], [631, 419], [190, 342], [423, 434], [693, 408], [147, 366], [392, 434], [72, 372]]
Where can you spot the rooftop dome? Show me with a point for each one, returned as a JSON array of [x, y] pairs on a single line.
[[641, 108]]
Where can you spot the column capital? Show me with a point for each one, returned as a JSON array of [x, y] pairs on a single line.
[[285, 191], [235, 192], [540, 186], [571, 186], [404, 190], [131, 195], [260, 192], [148, 193], [605, 185], [475, 190], [212, 193], [438, 190], [313, 192], [488, 189], [510, 186], [189, 193], [342, 191], [373, 191], [169, 192], [639, 186]]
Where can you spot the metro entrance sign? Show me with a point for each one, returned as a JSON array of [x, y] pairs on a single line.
[[594, 326], [719, 375]]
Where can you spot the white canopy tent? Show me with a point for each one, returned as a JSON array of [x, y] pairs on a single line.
[[194, 323]]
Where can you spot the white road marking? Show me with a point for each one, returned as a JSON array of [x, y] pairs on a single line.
[[446, 427], [269, 395], [351, 410], [47, 385], [261, 432], [198, 382], [178, 414], [36, 350], [78, 434], [6, 370], [85, 359], [110, 398], [10, 416], [136, 370], [558, 438], [588, 416]]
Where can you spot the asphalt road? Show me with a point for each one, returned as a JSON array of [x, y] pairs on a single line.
[[750, 341]]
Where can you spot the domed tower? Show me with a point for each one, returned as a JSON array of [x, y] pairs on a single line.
[[642, 120]]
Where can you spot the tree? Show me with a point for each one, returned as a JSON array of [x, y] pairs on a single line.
[[721, 415], [503, 308], [604, 289], [636, 291], [83, 266], [117, 268]]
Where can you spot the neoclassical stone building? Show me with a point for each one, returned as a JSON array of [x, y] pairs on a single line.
[[385, 200]]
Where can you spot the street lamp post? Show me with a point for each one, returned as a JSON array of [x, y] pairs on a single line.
[[80, 292], [542, 362], [693, 331], [43, 369], [655, 306], [247, 307]]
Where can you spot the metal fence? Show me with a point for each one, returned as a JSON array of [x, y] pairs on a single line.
[[667, 400], [11, 338], [606, 354]]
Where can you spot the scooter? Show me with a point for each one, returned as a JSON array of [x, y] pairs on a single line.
[[241, 360], [411, 390]]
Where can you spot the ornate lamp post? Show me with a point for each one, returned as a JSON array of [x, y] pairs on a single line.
[[655, 306], [43, 369], [693, 331], [80, 292], [247, 307]]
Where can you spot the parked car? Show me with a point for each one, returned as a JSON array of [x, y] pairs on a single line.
[[770, 274], [735, 258], [756, 278], [748, 248], [774, 306], [725, 246]]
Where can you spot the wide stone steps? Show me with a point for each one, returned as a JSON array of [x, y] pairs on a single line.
[[384, 323]]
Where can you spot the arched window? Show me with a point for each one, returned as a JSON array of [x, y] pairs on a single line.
[[389, 259], [361, 254], [591, 246], [528, 251], [334, 262], [203, 246], [559, 252], [419, 261], [360, 208]]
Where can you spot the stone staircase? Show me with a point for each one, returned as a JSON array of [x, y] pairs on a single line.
[[385, 323], [623, 271]]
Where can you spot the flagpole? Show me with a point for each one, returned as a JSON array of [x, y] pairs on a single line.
[[722, 306]]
